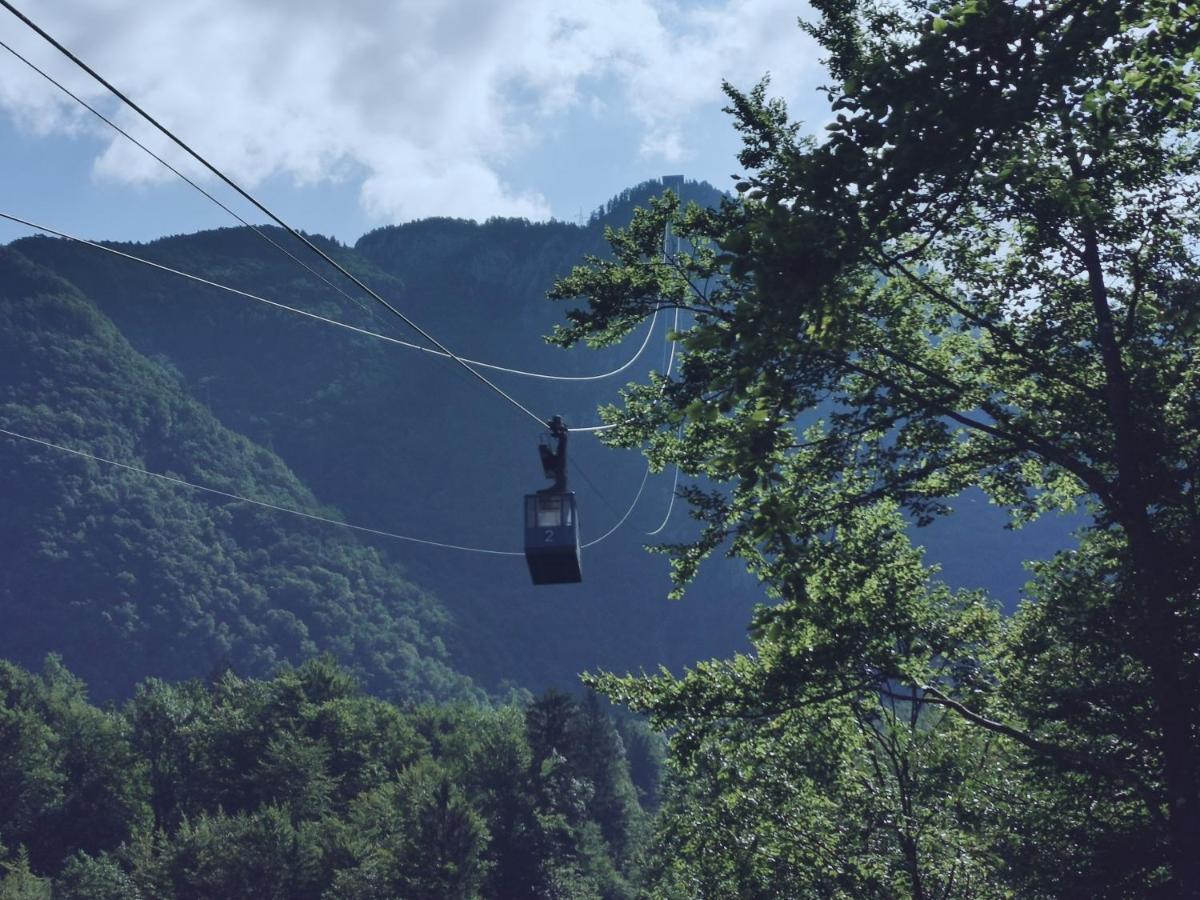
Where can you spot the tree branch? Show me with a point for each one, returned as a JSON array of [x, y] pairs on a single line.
[[1057, 752], [980, 322]]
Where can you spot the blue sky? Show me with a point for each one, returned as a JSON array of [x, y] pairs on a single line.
[[347, 116]]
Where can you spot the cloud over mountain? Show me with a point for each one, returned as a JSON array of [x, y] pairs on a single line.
[[419, 105]]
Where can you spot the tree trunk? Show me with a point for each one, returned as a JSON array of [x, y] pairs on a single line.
[[1161, 651], [1176, 708]]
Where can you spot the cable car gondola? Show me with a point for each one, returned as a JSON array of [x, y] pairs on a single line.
[[551, 519]]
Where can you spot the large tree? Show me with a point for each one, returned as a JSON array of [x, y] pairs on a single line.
[[985, 274]]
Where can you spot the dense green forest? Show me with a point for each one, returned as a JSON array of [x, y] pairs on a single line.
[[981, 282], [127, 576], [302, 786]]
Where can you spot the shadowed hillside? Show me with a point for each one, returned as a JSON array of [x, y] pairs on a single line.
[[128, 576], [410, 443]]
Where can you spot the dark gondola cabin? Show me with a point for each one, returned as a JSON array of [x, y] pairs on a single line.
[[552, 538], [551, 519]]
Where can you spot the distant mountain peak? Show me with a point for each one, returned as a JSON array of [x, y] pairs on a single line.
[[619, 209]]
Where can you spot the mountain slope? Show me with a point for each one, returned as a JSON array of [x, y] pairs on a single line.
[[409, 443], [128, 576]]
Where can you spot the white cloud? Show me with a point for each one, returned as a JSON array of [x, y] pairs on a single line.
[[664, 145], [421, 102]]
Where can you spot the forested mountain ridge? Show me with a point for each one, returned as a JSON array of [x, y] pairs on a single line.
[[409, 443], [128, 576]]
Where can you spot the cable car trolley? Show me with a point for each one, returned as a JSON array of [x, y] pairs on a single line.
[[551, 520]]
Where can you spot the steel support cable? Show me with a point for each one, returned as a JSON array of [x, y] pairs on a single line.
[[675, 485], [129, 137], [670, 506], [645, 476], [324, 319], [239, 498], [599, 493], [628, 512], [50, 39], [592, 429]]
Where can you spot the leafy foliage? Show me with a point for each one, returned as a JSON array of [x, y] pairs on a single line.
[[982, 277], [813, 771], [303, 787]]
